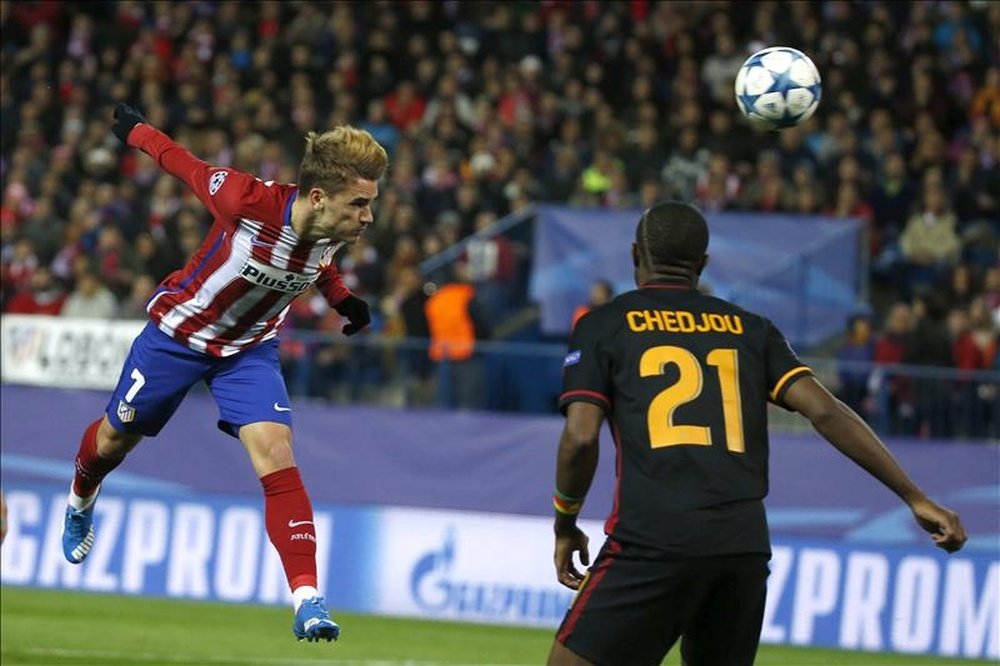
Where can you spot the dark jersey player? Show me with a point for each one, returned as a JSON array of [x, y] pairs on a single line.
[[216, 320], [684, 380]]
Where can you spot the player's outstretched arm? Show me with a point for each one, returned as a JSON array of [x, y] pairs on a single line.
[[851, 436], [575, 467], [223, 190]]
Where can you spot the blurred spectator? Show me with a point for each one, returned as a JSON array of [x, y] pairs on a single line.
[[43, 296], [601, 292], [895, 390], [491, 263], [561, 179], [686, 165], [848, 204], [156, 259], [114, 260], [991, 293], [718, 188], [792, 152], [720, 68], [405, 106], [404, 309], [91, 299], [854, 356], [975, 188], [19, 264], [598, 178], [767, 191], [487, 109], [377, 123], [972, 350], [959, 289], [892, 197], [929, 243], [308, 312], [134, 304], [645, 158], [931, 346], [986, 102], [456, 321], [362, 269], [41, 229]]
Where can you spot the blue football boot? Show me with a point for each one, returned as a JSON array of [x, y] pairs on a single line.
[[78, 533], [313, 623]]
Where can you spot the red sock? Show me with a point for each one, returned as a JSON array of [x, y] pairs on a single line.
[[289, 519], [90, 467]]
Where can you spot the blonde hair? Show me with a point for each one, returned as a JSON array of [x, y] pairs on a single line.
[[340, 156]]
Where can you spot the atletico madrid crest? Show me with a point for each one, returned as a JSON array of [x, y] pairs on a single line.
[[126, 412]]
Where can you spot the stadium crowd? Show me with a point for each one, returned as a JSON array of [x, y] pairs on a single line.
[[486, 108]]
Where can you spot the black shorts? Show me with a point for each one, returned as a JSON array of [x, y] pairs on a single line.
[[634, 604]]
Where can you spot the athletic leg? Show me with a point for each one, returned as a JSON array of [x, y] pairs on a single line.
[[288, 517], [726, 627], [253, 404], [154, 379], [287, 509], [102, 449], [630, 609]]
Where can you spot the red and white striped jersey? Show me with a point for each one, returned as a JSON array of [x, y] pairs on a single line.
[[235, 291]]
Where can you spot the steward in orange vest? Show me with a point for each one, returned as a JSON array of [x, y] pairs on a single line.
[[454, 320], [453, 333]]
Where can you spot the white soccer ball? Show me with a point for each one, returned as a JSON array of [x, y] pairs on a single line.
[[778, 87]]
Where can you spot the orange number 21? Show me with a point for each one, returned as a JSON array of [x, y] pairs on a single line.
[[660, 416]]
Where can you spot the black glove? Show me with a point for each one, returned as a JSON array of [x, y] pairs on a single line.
[[126, 118], [356, 311]]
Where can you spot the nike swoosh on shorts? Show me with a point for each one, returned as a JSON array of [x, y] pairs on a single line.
[[279, 408]]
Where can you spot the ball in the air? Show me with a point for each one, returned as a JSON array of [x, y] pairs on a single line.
[[778, 87]]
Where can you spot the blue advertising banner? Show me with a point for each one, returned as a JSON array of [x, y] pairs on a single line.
[[474, 566], [486, 462], [447, 515], [918, 601], [180, 545], [801, 272]]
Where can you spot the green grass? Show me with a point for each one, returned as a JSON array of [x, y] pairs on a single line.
[[60, 628]]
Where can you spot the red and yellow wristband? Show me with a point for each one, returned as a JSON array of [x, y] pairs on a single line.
[[565, 504]]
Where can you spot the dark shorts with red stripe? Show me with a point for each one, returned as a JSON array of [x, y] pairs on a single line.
[[635, 604]]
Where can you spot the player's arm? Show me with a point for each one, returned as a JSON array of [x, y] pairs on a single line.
[[339, 297], [851, 436], [224, 191], [575, 466], [585, 401]]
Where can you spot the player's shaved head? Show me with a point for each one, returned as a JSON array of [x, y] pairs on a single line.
[[672, 233]]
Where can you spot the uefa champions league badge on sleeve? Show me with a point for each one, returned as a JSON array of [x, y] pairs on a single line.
[[126, 412], [216, 181], [572, 358]]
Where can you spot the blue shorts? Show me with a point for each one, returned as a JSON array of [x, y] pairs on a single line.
[[159, 371]]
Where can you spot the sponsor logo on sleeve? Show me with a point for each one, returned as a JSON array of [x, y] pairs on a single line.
[[216, 181], [572, 358]]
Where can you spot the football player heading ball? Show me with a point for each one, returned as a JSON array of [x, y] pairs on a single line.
[[217, 319]]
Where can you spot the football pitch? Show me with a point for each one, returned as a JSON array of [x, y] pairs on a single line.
[[58, 628]]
